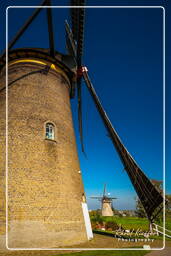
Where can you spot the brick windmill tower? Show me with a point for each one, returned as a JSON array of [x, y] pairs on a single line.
[[45, 191], [46, 205]]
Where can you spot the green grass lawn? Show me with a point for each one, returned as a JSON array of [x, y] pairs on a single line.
[[134, 222], [129, 222], [104, 253], [168, 223]]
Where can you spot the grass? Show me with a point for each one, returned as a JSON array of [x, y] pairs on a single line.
[[126, 236], [168, 222], [155, 237], [168, 226], [107, 253], [129, 222], [134, 222]]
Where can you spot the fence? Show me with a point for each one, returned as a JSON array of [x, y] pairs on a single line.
[[161, 230]]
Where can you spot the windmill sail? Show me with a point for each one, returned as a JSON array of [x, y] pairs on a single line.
[[104, 191], [23, 28], [149, 196], [77, 18]]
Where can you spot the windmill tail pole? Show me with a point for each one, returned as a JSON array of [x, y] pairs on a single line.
[[149, 196]]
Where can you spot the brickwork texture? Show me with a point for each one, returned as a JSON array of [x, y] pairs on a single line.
[[45, 187]]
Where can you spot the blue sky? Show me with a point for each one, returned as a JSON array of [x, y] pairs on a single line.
[[123, 53]]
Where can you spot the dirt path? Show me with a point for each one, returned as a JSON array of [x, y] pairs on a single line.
[[99, 241], [164, 252]]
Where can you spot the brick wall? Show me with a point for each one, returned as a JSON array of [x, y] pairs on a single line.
[[44, 184]]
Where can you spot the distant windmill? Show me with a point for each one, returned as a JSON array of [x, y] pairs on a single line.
[[106, 202]]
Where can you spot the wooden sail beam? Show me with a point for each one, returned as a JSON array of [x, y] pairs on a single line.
[[23, 28], [78, 20], [28, 22], [50, 29]]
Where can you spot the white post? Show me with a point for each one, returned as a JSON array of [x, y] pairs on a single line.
[[156, 228], [151, 227], [87, 221]]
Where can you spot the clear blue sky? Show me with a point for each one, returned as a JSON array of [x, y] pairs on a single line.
[[123, 53]]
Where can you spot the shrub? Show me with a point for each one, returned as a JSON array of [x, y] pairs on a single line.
[[93, 225], [111, 225], [97, 218]]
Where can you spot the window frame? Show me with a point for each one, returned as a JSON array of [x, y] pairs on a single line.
[[53, 131]]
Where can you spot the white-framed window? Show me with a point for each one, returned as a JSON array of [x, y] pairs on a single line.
[[50, 131]]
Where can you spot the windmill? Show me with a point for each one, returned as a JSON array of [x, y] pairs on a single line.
[[49, 79], [106, 203]]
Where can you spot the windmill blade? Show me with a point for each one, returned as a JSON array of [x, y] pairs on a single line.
[[50, 29], [113, 197], [81, 21], [79, 63], [74, 18], [96, 197], [104, 191], [71, 46], [149, 196], [80, 123], [23, 28], [77, 18]]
